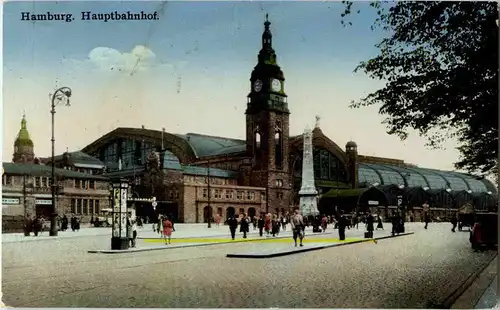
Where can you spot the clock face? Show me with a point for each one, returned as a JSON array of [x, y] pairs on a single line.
[[257, 86], [276, 85]]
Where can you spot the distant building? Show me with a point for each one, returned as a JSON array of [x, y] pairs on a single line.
[[26, 187]]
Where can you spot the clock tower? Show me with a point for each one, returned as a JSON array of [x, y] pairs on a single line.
[[267, 127]]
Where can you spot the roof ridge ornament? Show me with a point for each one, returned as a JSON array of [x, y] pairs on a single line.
[[318, 118]]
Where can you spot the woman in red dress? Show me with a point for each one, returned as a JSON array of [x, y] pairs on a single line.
[[268, 223], [167, 230]]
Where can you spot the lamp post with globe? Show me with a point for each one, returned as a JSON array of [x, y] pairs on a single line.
[[61, 95]]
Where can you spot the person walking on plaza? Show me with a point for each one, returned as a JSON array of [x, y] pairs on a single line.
[[64, 223], [283, 222], [275, 226], [260, 223], [217, 220], [134, 233], [168, 227], [28, 225], [245, 225], [298, 226], [369, 225], [427, 219], [232, 222], [37, 225], [268, 223], [454, 222], [324, 223], [380, 225], [342, 224]]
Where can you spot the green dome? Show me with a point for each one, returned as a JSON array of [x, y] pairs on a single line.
[[23, 137]]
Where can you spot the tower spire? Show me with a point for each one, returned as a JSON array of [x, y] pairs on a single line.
[[267, 36]]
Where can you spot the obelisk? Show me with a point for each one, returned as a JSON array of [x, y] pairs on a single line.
[[308, 192]]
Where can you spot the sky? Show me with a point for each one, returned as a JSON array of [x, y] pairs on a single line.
[[189, 71]]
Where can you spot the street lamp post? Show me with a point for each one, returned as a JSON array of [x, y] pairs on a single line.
[[62, 94]]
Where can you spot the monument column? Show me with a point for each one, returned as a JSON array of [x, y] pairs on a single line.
[[308, 193]]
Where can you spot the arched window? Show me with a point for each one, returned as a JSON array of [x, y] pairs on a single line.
[[326, 167], [256, 139], [278, 143]]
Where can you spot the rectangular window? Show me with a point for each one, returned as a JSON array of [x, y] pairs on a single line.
[[218, 193], [96, 207], [79, 206], [73, 206], [78, 184], [91, 206], [84, 184], [239, 195], [176, 194], [205, 193], [250, 195], [229, 194], [262, 196], [37, 181], [85, 210], [92, 184], [171, 195], [44, 182], [279, 183], [8, 180]]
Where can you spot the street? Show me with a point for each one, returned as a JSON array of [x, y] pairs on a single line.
[[405, 272]]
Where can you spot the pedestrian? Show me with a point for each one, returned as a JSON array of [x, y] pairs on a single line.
[[342, 224], [168, 227], [454, 222], [380, 225], [232, 222], [369, 225], [37, 225], [395, 223], [427, 219], [245, 225], [324, 223], [134, 233], [28, 225], [275, 226], [298, 226], [64, 223], [159, 228], [268, 223], [254, 222], [73, 223], [283, 222], [260, 223], [217, 220]]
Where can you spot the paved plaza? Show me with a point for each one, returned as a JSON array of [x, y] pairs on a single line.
[[406, 272]]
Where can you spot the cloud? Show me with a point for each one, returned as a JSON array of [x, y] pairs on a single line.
[[110, 59]]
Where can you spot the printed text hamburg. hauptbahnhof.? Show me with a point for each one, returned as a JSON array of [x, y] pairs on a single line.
[[90, 16]]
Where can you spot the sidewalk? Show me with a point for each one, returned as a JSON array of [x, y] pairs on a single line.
[[489, 298]]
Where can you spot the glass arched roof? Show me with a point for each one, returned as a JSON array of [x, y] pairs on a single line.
[[385, 174], [368, 175]]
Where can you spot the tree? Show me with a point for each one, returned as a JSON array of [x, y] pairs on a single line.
[[440, 64]]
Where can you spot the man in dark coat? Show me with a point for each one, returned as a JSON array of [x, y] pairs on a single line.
[[342, 224], [454, 222], [260, 223], [427, 219], [369, 225], [244, 225], [232, 222]]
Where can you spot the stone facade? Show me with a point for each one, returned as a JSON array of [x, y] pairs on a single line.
[[29, 194]]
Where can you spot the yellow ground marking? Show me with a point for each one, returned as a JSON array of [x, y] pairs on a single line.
[[275, 240]]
